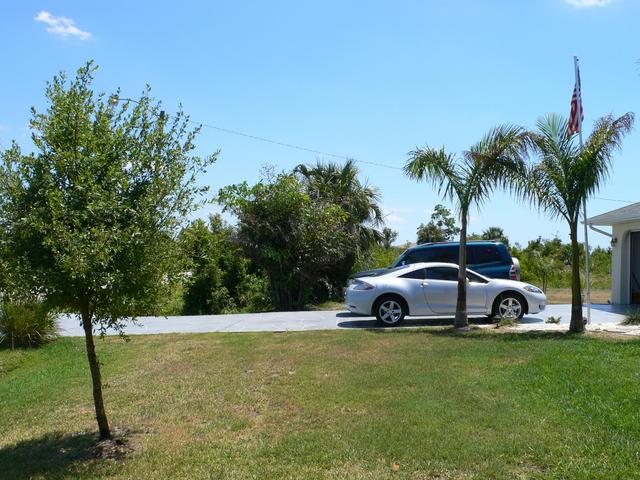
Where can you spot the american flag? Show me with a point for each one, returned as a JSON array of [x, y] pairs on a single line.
[[577, 114]]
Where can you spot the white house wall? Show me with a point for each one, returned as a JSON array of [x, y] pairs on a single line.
[[620, 262]]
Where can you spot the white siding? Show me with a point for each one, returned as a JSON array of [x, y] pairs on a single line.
[[620, 259]]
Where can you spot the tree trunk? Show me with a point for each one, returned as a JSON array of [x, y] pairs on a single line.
[[577, 323], [94, 366], [461, 320]]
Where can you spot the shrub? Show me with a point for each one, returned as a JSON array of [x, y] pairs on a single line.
[[507, 322], [632, 319], [26, 324], [256, 294], [553, 319]]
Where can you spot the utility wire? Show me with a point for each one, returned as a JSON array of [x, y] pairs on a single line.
[[332, 155], [291, 145], [615, 200]]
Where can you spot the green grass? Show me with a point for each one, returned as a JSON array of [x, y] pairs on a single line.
[[339, 404]]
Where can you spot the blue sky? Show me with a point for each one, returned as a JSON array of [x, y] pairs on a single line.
[[368, 80]]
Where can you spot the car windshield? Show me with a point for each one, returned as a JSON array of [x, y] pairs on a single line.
[[397, 262]]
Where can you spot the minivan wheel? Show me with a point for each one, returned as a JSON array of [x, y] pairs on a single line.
[[390, 311], [509, 306]]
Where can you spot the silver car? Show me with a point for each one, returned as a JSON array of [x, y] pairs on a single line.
[[431, 289]]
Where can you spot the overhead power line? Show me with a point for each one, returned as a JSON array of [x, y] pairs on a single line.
[[328, 154], [615, 200], [293, 146]]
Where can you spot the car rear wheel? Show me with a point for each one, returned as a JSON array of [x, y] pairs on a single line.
[[390, 311], [509, 306]]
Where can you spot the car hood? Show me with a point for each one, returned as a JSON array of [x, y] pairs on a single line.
[[511, 283], [369, 273]]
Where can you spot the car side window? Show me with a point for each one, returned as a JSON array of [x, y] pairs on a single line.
[[415, 274], [442, 273], [419, 256], [486, 254], [448, 254]]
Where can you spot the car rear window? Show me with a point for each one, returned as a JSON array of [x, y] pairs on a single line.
[[416, 274]]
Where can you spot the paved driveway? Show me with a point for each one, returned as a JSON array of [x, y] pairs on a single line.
[[602, 318]]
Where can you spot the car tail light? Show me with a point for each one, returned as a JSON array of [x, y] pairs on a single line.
[[513, 273]]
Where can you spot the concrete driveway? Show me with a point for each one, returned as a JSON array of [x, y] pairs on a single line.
[[603, 318]]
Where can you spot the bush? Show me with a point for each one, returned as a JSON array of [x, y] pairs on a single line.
[[26, 324], [507, 322], [255, 293], [553, 319], [632, 319]]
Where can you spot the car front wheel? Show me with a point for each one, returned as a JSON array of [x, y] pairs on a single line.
[[390, 311], [509, 306]]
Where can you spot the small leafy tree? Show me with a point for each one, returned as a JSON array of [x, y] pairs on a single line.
[[388, 237], [441, 228], [470, 181], [88, 221]]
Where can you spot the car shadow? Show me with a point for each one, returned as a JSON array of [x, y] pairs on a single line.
[[49, 456], [371, 323]]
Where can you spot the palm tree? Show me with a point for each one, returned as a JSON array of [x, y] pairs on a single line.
[[470, 181], [495, 233], [388, 237], [340, 185], [565, 176]]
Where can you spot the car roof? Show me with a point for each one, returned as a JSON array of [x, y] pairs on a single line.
[[442, 244]]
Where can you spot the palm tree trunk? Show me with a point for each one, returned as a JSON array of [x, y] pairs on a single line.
[[577, 323], [94, 367], [461, 320]]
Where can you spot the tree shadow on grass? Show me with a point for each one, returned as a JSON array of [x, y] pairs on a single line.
[[50, 456]]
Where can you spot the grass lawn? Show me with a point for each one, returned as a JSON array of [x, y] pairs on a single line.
[[563, 295], [334, 404]]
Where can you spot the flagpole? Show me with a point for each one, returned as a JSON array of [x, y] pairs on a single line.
[[584, 200]]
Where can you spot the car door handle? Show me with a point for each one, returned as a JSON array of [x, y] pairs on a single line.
[[425, 284]]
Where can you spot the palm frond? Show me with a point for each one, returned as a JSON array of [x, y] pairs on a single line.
[[593, 163], [439, 167], [495, 160]]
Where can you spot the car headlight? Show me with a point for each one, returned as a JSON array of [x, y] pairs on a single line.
[[532, 289], [360, 285]]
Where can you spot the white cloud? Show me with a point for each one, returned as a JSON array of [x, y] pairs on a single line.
[[394, 219], [588, 3], [63, 26], [391, 215]]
